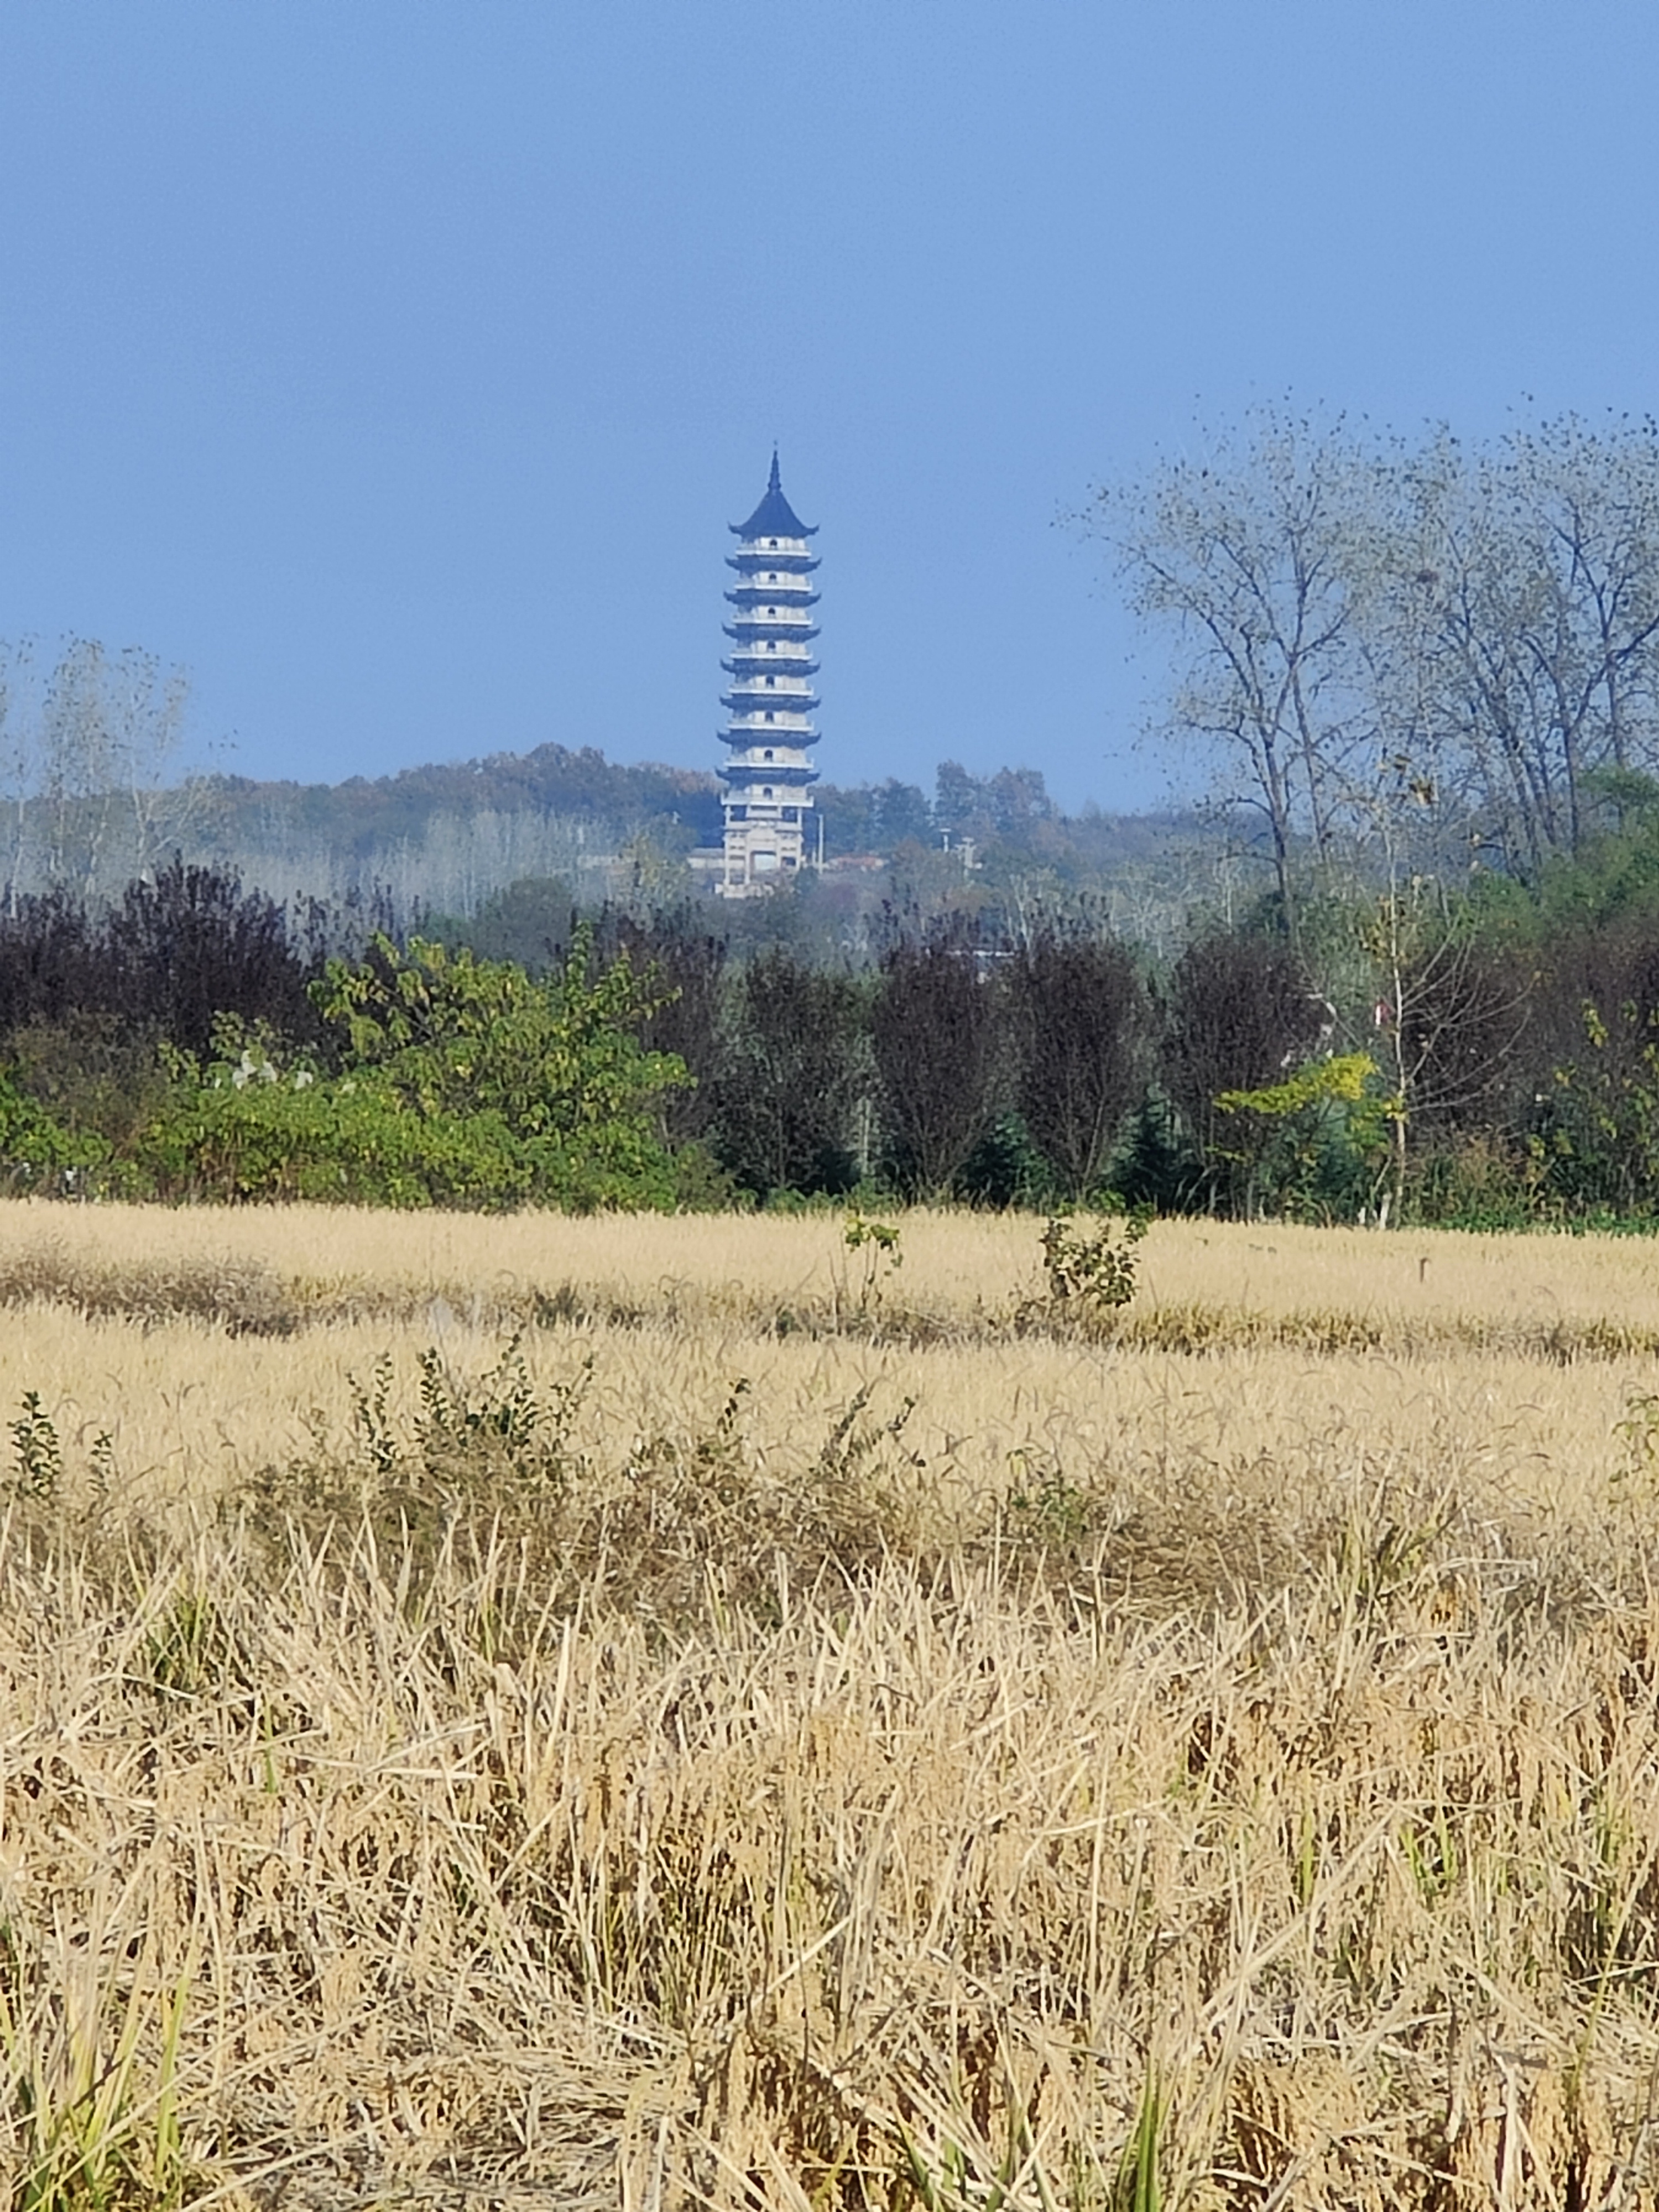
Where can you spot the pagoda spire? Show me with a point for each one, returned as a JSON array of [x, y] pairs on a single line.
[[768, 774]]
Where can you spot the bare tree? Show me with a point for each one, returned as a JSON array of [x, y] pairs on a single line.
[[1473, 629], [1256, 560], [1542, 576], [107, 734], [1510, 635], [1446, 1024], [17, 760]]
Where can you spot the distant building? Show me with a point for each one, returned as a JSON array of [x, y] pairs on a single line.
[[768, 772]]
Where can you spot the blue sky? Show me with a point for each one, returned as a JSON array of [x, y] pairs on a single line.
[[395, 367]]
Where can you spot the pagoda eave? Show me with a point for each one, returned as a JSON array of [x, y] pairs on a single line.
[[743, 703], [786, 740], [782, 741], [795, 780]]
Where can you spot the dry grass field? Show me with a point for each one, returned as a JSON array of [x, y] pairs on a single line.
[[684, 1713]]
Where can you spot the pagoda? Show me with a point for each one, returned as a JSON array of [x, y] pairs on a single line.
[[768, 772]]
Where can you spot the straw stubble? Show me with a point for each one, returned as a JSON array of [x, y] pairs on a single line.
[[1230, 1774]]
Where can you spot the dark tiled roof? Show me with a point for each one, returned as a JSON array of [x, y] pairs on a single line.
[[775, 517]]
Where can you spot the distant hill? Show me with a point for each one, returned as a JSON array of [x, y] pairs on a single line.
[[444, 838], [677, 808], [367, 814]]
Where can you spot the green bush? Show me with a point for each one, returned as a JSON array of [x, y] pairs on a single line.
[[1327, 1129], [1595, 1147], [344, 1139], [39, 1151]]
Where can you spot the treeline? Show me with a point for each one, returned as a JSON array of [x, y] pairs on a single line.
[[1475, 1066], [86, 804], [366, 815], [1495, 1061]]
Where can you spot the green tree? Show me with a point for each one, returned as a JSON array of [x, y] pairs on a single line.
[[462, 1083]]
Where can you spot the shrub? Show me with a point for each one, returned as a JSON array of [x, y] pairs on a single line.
[[789, 1082], [1316, 1142], [37, 1151]]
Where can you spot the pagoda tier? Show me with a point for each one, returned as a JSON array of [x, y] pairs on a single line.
[[779, 713], [778, 577], [764, 686], [775, 624], [751, 772], [768, 801], [787, 556], [788, 750]]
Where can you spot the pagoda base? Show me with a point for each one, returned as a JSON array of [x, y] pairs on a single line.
[[759, 856]]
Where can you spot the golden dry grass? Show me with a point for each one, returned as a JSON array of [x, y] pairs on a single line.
[[949, 1259], [793, 1794]]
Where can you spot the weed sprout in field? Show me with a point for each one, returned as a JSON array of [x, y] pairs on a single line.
[[37, 1455], [1089, 1275], [879, 1240]]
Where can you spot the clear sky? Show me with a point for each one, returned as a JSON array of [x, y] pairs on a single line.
[[395, 365]]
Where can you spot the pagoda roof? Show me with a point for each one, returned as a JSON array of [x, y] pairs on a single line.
[[773, 517]]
